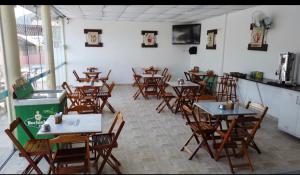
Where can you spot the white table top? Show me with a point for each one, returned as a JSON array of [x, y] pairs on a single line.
[[186, 84], [150, 76], [78, 84], [213, 109], [74, 124]]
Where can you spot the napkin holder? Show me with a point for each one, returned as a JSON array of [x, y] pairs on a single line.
[[58, 118], [45, 127], [229, 104], [180, 81]]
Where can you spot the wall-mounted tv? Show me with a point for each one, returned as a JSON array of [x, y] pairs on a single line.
[[186, 34]]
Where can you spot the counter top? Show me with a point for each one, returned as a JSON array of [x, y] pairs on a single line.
[[271, 82], [41, 97]]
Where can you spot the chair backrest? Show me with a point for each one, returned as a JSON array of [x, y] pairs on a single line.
[[187, 76], [107, 76], [66, 87], [73, 139], [134, 72], [137, 79], [164, 71], [88, 90], [76, 75], [259, 108], [83, 109], [13, 125], [118, 119], [111, 87], [208, 98]]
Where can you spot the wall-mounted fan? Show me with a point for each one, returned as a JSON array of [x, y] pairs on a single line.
[[260, 19]]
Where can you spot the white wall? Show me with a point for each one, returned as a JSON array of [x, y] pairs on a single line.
[[122, 49], [283, 36], [206, 58]]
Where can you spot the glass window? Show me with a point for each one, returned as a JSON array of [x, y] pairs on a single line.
[[6, 147], [31, 41], [58, 48]]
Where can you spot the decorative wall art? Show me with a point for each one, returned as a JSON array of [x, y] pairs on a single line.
[[93, 37], [211, 39], [149, 38], [257, 38]]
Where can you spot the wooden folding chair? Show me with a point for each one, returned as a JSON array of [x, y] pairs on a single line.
[[233, 138], [71, 160], [72, 96], [80, 79], [104, 95], [104, 79], [103, 144], [187, 76], [166, 78], [253, 123], [166, 97], [134, 73], [200, 129], [140, 86], [164, 72], [88, 95], [83, 109], [33, 150]]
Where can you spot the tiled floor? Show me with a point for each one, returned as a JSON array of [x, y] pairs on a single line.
[[5, 144], [151, 142]]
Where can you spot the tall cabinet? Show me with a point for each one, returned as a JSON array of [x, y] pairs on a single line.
[[289, 115]]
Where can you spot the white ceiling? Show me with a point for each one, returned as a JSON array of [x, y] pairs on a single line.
[[147, 13]]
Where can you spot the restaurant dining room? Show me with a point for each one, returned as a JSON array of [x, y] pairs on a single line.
[[149, 89]]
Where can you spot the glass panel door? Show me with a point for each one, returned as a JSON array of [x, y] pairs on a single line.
[[6, 146]]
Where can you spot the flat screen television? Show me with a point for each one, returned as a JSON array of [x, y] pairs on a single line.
[[186, 34]]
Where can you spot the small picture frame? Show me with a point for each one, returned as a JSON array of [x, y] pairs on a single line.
[[257, 38], [211, 39], [149, 38], [93, 37]]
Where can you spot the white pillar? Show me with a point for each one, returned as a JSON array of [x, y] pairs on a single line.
[[47, 34], [11, 51]]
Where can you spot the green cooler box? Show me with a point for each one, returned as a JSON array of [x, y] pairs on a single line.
[[36, 107]]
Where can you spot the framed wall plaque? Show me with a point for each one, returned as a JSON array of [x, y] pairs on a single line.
[[149, 38], [257, 38], [211, 39], [93, 37]]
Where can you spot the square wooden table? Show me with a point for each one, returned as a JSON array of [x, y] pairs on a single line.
[[180, 89], [74, 124], [213, 109], [151, 81], [92, 74]]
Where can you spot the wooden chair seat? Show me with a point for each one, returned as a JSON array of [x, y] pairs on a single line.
[[205, 127], [70, 160], [103, 94], [73, 155], [36, 147], [104, 140], [104, 143], [33, 151], [169, 94]]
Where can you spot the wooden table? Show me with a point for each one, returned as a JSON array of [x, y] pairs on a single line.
[[155, 70], [180, 89], [74, 124], [198, 75], [91, 83], [213, 109], [91, 75], [92, 69], [151, 81]]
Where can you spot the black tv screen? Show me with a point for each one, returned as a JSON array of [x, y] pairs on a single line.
[[186, 34]]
